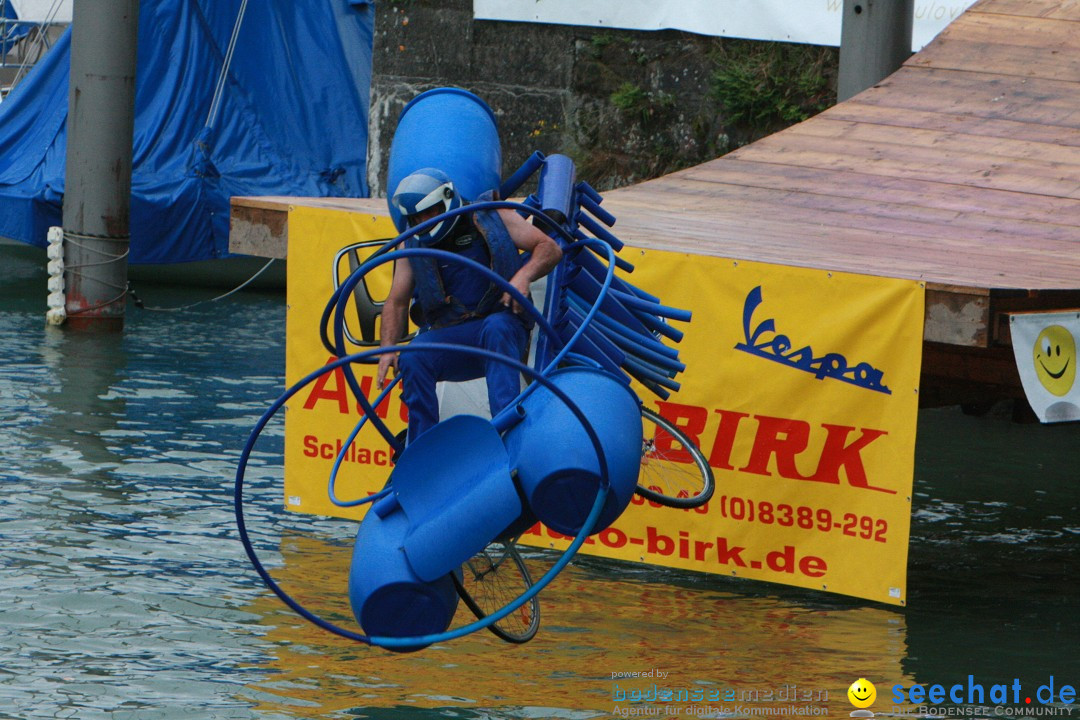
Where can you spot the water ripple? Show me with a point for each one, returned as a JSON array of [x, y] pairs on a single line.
[[125, 594]]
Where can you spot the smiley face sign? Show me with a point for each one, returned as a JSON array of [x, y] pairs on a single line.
[[1055, 359], [1044, 347]]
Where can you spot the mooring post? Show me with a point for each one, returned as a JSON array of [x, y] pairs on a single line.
[[97, 193], [875, 40]]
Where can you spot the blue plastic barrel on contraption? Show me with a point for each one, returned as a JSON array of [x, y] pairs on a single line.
[[452, 130], [555, 461], [387, 597]]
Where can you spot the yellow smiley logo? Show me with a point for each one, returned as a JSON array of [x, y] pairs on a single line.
[[862, 693], [1055, 359]]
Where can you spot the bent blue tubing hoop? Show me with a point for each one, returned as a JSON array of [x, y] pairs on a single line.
[[408, 642], [331, 490], [339, 297], [383, 255], [332, 301], [620, 262], [371, 263]]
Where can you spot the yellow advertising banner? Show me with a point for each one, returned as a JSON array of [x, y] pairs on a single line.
[[324, 245], [801, 389]]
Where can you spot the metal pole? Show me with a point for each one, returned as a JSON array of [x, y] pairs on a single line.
[[3, 34], [875, 40], [97, 194]]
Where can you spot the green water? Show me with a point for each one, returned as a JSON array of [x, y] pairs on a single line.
[[124, 592]]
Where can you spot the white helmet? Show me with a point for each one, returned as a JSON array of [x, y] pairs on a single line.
[[423, 195]]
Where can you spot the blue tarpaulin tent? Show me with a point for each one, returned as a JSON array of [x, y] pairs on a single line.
[[290, 119]]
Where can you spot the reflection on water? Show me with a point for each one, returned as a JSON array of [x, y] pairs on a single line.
[[125, 593], [599, 619]]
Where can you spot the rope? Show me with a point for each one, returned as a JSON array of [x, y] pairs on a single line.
[[110, 259], [90, 248], [95, 236], [99, 281], [40, 40], [107, 303], [215, 103], [139, 303], [69, 238]]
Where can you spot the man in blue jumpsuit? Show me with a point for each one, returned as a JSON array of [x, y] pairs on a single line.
[[456, 305]]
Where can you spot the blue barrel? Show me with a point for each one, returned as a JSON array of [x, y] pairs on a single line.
[[387, 598], [452, 130], [555, 461]]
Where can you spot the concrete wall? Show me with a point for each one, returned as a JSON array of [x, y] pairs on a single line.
[[625, 105]]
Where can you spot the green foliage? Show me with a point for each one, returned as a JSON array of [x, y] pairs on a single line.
[[599, 41], [628, 97], [642, 105], [763, 87], [651, 105]]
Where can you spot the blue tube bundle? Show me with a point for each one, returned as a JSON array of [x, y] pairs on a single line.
[[627, 335]]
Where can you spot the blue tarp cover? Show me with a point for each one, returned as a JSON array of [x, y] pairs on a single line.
[[292, 121]]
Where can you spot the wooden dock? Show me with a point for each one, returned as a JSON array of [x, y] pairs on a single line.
[[961, 170]]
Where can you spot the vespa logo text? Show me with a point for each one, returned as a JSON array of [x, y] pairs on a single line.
[[778, 349]]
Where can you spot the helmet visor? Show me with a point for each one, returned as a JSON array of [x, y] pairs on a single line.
[[425, 214]]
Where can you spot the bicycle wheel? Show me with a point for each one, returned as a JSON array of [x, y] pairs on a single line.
[[674, 472], [491, 580]]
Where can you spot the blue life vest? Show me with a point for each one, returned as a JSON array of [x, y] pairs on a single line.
[[459, 294]]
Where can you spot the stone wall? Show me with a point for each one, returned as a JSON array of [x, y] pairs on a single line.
[[624, 105]]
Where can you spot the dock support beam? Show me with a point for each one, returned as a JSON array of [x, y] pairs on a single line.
[[875, 40], [97, 193]]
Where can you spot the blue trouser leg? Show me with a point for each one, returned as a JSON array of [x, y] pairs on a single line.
[[501, 332]]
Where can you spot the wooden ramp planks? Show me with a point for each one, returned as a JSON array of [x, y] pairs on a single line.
[[962, 169]]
